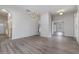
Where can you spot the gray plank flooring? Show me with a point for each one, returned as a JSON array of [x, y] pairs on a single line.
[[39, 45]]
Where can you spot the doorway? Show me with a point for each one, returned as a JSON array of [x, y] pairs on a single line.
[[5, 23], [2, 28], [59, 28]]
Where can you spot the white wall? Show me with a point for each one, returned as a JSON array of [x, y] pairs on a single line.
[[53, 27], [45, 25], [76, 24], [68, 20], [22, 24]]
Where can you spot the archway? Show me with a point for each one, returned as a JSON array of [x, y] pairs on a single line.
[[5, 20]]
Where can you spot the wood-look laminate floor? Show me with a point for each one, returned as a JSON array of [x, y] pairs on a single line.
[[39, 45]]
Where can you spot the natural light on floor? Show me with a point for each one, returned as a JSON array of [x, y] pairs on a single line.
[[59, 33]]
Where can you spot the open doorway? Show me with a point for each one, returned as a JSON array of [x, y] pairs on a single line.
[[59, 28], [5, 23]]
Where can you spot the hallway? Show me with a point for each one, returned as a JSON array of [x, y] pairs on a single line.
[[39, 45]]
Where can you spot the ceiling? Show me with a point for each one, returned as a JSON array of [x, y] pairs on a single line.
[[43, 8], [49, 8]]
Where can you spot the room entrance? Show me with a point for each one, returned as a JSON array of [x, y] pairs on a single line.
[[59, 28], [5, 23]]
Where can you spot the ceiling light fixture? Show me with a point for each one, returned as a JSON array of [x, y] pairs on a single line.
[[32, 13], [60, 12]]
